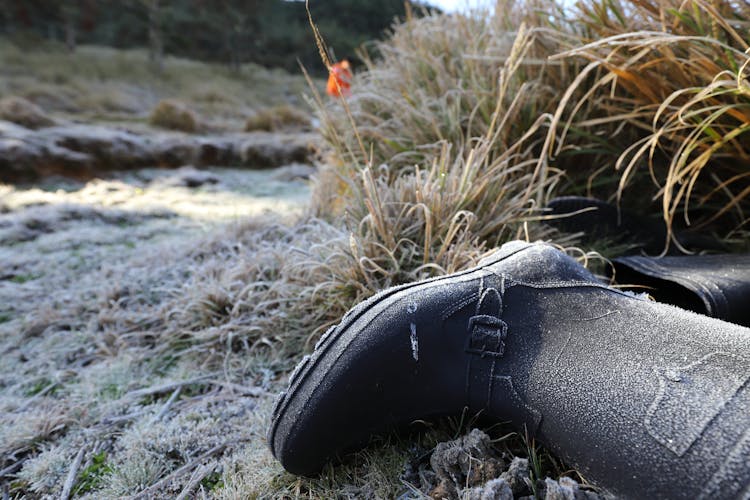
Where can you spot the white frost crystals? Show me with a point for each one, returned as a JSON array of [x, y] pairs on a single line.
[[411, 309], [414, 342]]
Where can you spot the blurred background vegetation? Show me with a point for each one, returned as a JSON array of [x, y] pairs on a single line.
[[272, 33]]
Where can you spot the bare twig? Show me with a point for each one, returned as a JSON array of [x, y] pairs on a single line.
[[119, 419], [241, 389], [12, 468], [197, 476], [167, 405], [36, 396], [71, 479], [158, 389], [174, 475]]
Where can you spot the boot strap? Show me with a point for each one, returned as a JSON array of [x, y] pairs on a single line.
[[486, 336], [487, 390]]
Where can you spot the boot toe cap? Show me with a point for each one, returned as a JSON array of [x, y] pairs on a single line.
[[388, 365]]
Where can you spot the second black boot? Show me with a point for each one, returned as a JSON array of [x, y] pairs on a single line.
[[644, 399], [715, 285], [597, 219]]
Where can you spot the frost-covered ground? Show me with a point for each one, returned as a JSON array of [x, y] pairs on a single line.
[[144, 333], [89, 403], [147, 320]]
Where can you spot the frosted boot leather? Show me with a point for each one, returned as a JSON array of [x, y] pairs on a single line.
[[715, 285], [645, 399], [598, 220]]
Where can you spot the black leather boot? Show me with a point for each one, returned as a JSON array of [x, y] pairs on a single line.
[[597, 220], [644, 399], [715, 285]]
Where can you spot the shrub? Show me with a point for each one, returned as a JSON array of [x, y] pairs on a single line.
[[174, 115], [278, 118], [670, 78], [23, 112]]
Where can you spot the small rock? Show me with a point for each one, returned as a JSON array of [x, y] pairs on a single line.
[[567, 488], [463, 464], [188, 177], [293, 172], [445, 490], [518, 477], [496, 489], [453, 459]]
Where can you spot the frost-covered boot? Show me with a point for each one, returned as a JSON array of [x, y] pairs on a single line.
[[715, 285], [645, 399]]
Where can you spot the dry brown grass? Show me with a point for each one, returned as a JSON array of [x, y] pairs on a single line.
[[282, 117], [436, 156], [23, 112], [628, 94], [452, 79], [174, 115], [671, 79]]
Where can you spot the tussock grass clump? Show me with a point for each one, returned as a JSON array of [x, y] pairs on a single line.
[[436, 157], [411, 225], [612, 95], [23, 112], [174, 115], [455, 79], [672, 76], [277, 118]]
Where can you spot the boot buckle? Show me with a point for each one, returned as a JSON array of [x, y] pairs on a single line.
[[487, 336]]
